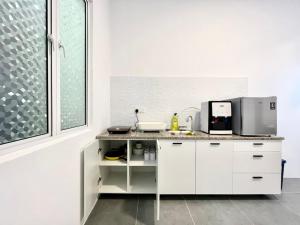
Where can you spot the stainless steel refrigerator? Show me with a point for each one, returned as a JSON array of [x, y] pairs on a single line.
[[254, 116]]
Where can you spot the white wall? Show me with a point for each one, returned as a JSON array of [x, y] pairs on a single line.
[[43, 186], [217, 38]]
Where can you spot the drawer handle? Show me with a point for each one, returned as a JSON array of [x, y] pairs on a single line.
[[214, 143], [258, 156], [258, 144], [257, 177], [177, 143]]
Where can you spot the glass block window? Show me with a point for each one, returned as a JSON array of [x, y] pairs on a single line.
[[72, 27], [23, 69]]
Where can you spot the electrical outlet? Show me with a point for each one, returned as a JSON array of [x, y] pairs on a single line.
[[139, 111]]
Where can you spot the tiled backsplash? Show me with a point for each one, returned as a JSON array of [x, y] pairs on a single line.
[[159, 97]]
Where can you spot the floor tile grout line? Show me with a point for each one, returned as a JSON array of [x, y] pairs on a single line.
[[290, 192], [242, 212], [288, 208], [186, 204], [137, 210], [285, 206]]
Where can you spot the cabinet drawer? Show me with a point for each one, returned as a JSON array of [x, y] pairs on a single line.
[[177, 145], [271, 146], [256, 183], [214, 145], [259, 161]]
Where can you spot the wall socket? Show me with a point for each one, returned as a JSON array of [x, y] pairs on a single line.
[[138, 111]]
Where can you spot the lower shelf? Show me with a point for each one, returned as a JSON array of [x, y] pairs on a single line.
[[143, 182], [139, 161], [114, 182]]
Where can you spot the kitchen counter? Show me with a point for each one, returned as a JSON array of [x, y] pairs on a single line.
[[168, 136]]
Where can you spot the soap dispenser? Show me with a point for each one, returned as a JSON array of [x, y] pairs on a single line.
[[174, 123]]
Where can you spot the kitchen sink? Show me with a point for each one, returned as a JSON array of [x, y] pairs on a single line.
[[181, 132]]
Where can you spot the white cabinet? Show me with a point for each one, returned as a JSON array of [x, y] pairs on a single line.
[[214, 167], [176, 163], [134, 175], [185, 167], [257, 167]]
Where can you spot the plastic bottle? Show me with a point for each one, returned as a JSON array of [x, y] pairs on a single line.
[[147, 154], [174, 122], [152, 154]]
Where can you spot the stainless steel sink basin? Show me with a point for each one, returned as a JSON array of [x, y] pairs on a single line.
[[181, 132]]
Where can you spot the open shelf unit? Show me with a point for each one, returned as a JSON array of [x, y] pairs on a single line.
[[120, 162], [138, 160], [106, 146], [114, 179], [142, 180], [132, 176]]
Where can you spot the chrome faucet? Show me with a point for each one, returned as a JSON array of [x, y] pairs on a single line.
[[190, 119]]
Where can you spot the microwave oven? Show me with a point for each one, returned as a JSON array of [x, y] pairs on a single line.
[[254, 116]]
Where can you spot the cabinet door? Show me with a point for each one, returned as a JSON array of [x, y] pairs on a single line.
[[91, 176], [214, 167], [176, 163]]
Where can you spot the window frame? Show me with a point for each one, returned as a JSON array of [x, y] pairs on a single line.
[[53, 78], [48, 88], [59, 130]]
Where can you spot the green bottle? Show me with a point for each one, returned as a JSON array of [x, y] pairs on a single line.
[[174, 122]]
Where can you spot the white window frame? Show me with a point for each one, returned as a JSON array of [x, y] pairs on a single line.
[[58, 130], [54, 120], [49, 89]]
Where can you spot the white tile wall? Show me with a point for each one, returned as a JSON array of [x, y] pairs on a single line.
[[159, 97]]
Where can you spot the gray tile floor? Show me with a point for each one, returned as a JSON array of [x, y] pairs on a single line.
[[201, 210]]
